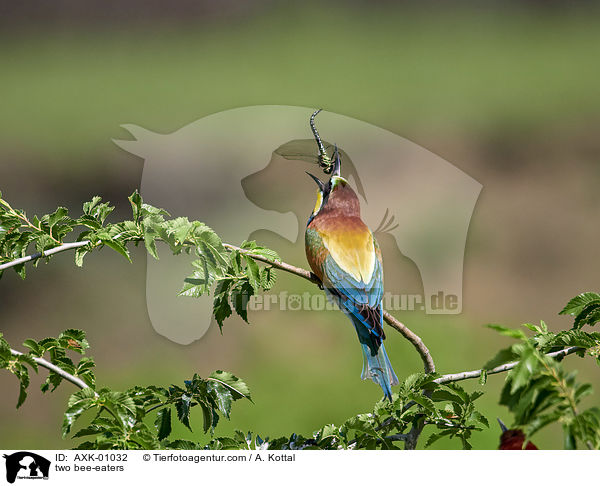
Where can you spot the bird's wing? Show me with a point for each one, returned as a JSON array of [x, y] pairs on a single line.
[[343, 263]]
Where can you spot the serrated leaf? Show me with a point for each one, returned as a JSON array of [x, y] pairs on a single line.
[[136, 205], [240, 296], [78, 403], [163, 423], [195, 286], [585, 316], [253, 273], [207, 417], [182, 406], [221, 307], [479, 417], [222, 396], [239, 389], [34, 347], [92, 429], [22, 394], [437, 436], [57, 216], [576, 304], [80, 253], [26, 359], [268, 277], [115, 245]]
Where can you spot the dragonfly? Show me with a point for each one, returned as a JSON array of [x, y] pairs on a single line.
[[319, 152]]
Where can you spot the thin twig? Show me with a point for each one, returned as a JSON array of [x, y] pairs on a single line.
[[466, 375], [45, 253], [415, 340], [52, 367]]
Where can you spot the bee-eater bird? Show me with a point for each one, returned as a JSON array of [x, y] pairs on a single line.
[[344, 255], [513, 440]]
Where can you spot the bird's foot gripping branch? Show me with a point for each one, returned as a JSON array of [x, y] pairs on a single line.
[[538, 391]]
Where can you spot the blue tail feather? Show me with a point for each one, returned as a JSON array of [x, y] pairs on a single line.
[[376, 364], [379, 369]]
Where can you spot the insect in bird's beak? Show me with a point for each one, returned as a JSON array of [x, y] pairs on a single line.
[[502, 426], [337, 164], [319, 182]]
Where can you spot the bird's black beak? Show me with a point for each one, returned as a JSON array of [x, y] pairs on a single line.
[[319, 182], [502, 426], [337, 163]]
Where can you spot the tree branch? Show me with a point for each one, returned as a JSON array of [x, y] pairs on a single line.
[[51, 251], [466, 375], [415, 340], [52, 367], [410, 439]]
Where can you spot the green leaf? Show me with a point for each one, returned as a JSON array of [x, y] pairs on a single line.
[[120, 405], [531, 327], [267, 253], [57, 216], [576, 304], [207, 416], [22, 394], [115, 245], [20, 270], [221, 307], [79, 402], [80, 253], [222, 397], [163, 423], [483, 377], [85, 371], [240, 296], [570, 442], [574, 337], [477, 416], [253, 273], [136, 205], [183, 410], [150, 243], [195, 286], [507, 331], [181, 444], [527, 366], [89, 206], [34, 347], [239, 389], [26, 359], [503, 356], [437, 436], [590, 314], [268, 277]]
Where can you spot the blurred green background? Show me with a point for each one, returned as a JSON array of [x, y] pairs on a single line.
[[506, 91]]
